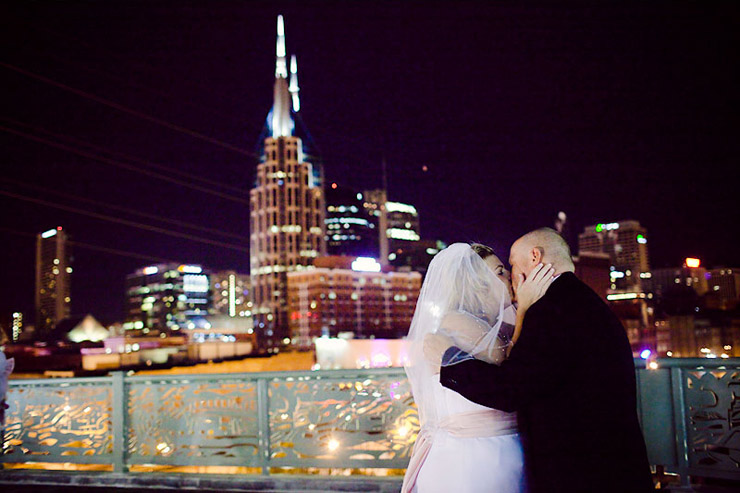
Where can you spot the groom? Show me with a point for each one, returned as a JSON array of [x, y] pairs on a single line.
[[570, 378]]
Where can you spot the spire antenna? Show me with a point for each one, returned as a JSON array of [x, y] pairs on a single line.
[[293, 87], [280, 121], [281, 66]]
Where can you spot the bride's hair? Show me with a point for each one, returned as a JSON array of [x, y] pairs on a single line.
[[483, 251]]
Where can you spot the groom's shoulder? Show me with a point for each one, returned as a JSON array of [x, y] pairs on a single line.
[[566, 286], [566, 289]]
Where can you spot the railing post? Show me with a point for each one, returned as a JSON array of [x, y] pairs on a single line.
[[118, 404], [679, 419], [263, 422]]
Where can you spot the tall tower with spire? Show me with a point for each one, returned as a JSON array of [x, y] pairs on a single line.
[[286, 208]]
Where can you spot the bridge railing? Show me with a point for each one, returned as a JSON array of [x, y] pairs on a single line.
[[358, 419]]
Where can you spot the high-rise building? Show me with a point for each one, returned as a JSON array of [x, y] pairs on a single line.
[[351, 230], [415, 255], [374, 202], [398, 225], [664, 282], [230, 294], [403, 225], [626, 244], [723, 286], [286, 208], [166, 298], [346, 294], [53, 273]]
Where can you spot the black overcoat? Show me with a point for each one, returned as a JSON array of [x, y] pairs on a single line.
[[571, 379]]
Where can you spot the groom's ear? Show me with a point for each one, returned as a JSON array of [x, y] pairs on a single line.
[[535, 255]]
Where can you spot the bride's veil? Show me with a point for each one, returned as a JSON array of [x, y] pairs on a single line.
[[463, 299]]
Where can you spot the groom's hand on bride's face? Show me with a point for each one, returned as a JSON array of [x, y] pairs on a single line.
[[435, 346]]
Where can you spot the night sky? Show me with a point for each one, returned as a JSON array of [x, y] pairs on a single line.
[[607, 113]]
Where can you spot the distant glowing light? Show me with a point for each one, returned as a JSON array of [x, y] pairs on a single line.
[[399, 207], [669, 353], [153, 269], [641, 239], [693, 262], [402, 234], [49, 233], [190, 269], [403, 431], [195, 283], [333, 445], [653, 365], [645, 354], [624, 296], [381, 360], [606, 227], [365, 264], [334, 186]]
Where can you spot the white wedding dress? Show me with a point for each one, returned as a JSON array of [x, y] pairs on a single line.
[[462, 447], [492, 464]]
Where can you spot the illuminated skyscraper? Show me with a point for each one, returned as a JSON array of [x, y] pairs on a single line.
[[351, 230], [403, 223], [53, 272], [626, 244], [398, 223], [166, 298], [287, 208]]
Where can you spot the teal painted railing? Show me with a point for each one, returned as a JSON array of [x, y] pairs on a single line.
[[689, 410]]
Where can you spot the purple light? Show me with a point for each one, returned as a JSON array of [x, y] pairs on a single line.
[[645, 354]]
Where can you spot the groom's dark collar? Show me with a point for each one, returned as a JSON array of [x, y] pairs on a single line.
[[561, 280]]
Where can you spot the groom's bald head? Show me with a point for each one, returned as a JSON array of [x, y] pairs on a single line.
[[542, 245]]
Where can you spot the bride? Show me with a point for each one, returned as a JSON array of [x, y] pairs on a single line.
[[466, 302]]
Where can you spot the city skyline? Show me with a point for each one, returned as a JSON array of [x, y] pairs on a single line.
[[536, 119]]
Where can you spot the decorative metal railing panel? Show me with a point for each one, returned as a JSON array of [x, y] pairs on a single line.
[[203, 422], [365, 421], [713, 422], [689, 410], [66, 421]]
